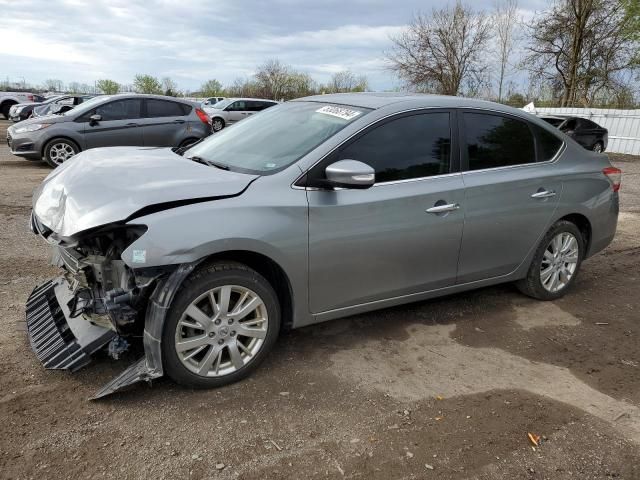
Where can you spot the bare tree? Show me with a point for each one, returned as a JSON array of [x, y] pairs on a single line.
[[445, 52], [169, 87], [274, 78], [347, 81], [504, 19], [582, 47]]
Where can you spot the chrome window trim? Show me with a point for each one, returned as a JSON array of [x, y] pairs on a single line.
[[519, 165]]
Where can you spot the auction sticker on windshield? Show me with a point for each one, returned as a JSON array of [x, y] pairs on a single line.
[[340, 112]]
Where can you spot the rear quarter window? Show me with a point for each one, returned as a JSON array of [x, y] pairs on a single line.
[[164, 108], [548, 144]]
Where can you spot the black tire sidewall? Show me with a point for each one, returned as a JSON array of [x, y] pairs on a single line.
[[196, 286], [533, 283], [214, 121], [47, 148]]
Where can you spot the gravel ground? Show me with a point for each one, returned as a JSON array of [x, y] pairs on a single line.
[[444, 389]]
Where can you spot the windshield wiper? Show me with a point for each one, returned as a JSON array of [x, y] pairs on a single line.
[[221, 166]]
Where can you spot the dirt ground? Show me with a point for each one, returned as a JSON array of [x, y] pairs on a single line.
[[444, 389]]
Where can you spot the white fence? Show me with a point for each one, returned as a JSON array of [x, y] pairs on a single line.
[[623, 125]]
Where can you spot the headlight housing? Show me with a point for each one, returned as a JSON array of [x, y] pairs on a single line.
[[31, 128]]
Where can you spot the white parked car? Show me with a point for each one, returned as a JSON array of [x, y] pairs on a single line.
[[233, 110], [9, 99]]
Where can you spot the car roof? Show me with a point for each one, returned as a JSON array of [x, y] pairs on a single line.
[[148, 95], [233, 99], [376, 100]]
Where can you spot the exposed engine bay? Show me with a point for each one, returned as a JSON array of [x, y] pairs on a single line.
[[99, 303]]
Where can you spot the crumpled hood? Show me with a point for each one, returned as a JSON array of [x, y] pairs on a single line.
[[105, 185]]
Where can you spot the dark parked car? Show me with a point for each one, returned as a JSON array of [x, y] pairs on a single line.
[[587, 133], [21, 111], [110, 121]]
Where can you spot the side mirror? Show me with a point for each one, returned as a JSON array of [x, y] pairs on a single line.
[[94, 119], [350, 174]]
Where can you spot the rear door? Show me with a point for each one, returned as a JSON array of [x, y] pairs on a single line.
[[119, 125], [511, 191], [388, 241], [165, 123]]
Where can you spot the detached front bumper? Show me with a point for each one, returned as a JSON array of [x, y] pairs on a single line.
[[60, 341]]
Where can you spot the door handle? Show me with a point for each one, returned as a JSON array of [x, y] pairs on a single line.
[[543, 194], [178, 121], [449, 207], [132, 124]]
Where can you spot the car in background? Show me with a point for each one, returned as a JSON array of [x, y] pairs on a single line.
[[108, 121], [9, 99], [586, 132], [57, 105], [211, 101], [232, 110]]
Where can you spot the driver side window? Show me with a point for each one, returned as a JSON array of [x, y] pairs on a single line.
[[414, 146]]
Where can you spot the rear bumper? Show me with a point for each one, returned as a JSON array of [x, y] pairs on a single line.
[[58, 340]]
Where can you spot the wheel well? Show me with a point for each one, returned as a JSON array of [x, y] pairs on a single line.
[[44, 147], [7, 102], [271, 271], [218, 118], [583, 225]]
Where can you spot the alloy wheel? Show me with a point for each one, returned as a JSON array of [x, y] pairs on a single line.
[[60, 152], [217, 125], [559, 262], [221, 331], [597, 148]]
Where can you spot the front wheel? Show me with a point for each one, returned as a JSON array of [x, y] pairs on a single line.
[[556, 262], [223, 322], [58, 151], [217, 124]]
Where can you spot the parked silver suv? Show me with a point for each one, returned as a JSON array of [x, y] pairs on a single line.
[[110, 120], [233, 110], [367, 201]]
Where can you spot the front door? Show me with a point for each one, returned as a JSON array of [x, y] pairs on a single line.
[[237, 111], [119, 124], [402, 235], [511, 192]]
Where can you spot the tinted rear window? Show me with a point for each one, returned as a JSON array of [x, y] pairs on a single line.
[[165, 108], [497, 141]]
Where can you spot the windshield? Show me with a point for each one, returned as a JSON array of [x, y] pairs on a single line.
[[222, 104], [87, 105], [276, 137]]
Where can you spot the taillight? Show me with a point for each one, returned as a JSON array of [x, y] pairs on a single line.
[[202, 115], [615, 176]]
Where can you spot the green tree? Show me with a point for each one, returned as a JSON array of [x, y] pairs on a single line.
[[147, 84], [108, 87], [211, 88]]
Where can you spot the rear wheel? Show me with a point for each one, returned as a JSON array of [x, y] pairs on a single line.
[[556, 262], [217, 124], [223, 322], [598, 147], [59, 150]]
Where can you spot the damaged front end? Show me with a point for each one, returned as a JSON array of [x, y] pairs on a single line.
[[99, 302]]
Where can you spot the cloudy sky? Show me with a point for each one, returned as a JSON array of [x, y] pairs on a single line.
[[195, 40]]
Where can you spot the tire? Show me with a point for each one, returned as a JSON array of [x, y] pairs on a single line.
[[534, 284], [215, 333], [6, 106], [598, 147], [217, 124], [59, 150]]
